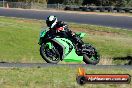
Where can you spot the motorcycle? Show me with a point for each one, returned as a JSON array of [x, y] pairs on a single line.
[[55, 49]]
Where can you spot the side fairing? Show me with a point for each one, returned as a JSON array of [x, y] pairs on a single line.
[[69, 50], [42, 34]]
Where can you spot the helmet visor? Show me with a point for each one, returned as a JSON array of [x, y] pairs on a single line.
[[49, 23]]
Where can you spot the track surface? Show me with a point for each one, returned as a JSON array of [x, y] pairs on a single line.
[[28, 65], [104, 20]]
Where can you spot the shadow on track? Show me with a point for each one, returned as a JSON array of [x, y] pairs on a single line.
[[128, 58]]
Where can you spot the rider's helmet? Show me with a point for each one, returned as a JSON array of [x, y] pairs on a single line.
[[51, 21]]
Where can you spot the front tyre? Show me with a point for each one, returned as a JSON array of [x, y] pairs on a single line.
[[92, 56], [50, 55]]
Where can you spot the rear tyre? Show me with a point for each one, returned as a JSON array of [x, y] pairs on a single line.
[[50, 55], [92, 58]]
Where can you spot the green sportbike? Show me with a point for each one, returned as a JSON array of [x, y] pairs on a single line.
[[59, 48]]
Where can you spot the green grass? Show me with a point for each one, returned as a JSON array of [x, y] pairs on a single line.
[[53, 77], [19, 38]]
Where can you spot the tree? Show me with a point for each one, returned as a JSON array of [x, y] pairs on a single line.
[[121, 3], [72, 2], [129, 4]]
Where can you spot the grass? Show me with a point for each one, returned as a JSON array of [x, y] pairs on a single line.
[[53, 77], [19, 38]]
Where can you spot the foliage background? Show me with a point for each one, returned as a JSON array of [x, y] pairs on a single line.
[[120, 3]]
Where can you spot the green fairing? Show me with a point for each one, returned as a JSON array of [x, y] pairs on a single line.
[[72, 56], [42, 34], [80, 34], [69, 56]]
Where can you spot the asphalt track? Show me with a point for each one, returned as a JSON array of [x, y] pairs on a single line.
[[42, 65], [103, 20]]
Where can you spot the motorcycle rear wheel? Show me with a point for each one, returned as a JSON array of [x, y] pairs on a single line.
[[91, 59]]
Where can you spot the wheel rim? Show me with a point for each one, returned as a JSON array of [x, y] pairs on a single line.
[[51, 54], [93, 55]]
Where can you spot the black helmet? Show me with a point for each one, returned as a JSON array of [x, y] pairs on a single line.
[[51, 21]]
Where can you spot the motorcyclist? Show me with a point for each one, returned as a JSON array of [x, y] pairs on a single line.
[[60, 28]]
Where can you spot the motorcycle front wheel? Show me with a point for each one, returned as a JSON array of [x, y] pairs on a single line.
[[49, 55]]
